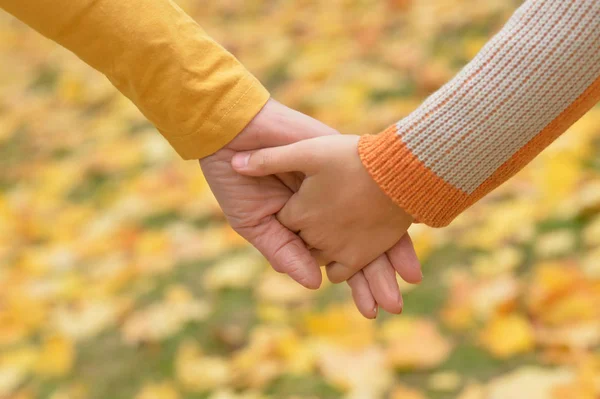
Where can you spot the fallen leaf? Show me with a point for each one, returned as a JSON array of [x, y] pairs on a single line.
[[161, 390], [506, 336], [414, 343], [197, 372]]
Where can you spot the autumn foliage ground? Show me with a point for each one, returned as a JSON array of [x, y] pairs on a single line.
[[119, 277]]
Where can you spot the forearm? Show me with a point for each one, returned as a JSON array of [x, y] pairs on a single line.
[[196, 93], [532, 81]]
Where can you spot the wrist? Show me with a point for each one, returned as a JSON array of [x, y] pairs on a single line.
[[276, 125], [408, 181], [263, 124]]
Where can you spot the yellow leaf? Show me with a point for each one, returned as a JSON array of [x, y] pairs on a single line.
[[414, 343], [270, 352], [495, 296], [576, 336], [445, 381], [504, 260], [75, 391], [473, 391], [362, 372], [506, 336], [163, 319], [404, 392], [591, 233], [342, 325], [458, 312], [197, 372], [15, 366], [233, 272], [555, 243], [591, 264], [586, 385], [230, 394], [299, 358], [162, 390], [529, 382], [86, 319], [56, 357], [550, 280], [576, 306], [281, 289]]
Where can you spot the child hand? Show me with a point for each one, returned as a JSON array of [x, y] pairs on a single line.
[[339, 210]]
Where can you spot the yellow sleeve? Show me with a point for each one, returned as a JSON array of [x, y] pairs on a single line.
[[196, 93]]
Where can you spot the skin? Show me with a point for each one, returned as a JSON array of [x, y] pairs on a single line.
[[252, 203], [341, 213]]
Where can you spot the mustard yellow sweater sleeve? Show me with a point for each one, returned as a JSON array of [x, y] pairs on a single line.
[[195, 92]]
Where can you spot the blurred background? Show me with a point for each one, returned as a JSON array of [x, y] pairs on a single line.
[[119, 277]]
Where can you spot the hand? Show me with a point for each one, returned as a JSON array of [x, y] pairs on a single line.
[[250, 205], [339, 210]]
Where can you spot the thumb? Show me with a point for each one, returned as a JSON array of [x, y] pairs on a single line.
[[286, 252], [297, 157]]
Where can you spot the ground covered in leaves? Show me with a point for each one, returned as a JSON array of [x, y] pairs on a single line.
[[119, 277]]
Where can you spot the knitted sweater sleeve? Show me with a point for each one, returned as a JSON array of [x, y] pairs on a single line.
[[532, 81]]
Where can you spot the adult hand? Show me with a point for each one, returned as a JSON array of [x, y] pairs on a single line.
[[251, 204]]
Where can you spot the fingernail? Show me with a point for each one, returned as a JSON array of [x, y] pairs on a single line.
[[240, 160], [376, 310]]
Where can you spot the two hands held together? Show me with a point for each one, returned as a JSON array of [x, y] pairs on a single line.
[[297, 190]]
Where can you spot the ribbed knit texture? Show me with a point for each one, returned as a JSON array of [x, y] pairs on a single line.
[[532, 81]]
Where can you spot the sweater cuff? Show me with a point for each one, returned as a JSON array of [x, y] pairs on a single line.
[[408, 182]]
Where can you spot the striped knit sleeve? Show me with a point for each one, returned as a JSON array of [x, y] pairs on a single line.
[[532, 81]]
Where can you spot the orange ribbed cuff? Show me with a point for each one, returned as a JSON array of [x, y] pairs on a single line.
[[405, 179]]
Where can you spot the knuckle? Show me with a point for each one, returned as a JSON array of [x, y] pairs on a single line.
[[290, 260], [288, 217]]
